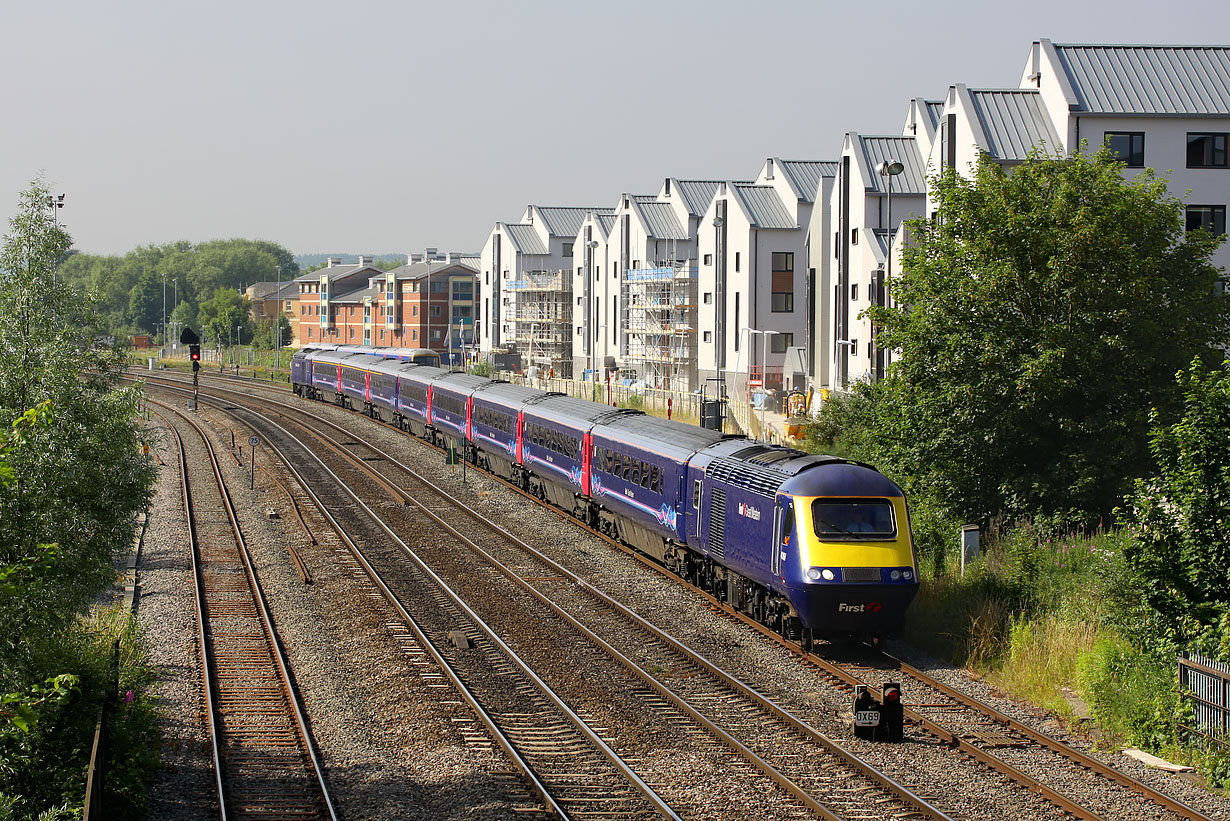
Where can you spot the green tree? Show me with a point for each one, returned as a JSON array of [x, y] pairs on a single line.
[[1182, 516], [72, 481], [80, 479], [1040, 316], [221, 315]]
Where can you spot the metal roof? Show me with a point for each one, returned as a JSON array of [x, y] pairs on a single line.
[[564, 221], [1014, 121], [912, 180], [607, 221], [419, 270], [1122, 79], [697, 194], [934, 110], [661, 221], [807, 174], [334, 272], [525, 237], [764, 205]]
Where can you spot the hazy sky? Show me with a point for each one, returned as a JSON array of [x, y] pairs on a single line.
[[374, 127]]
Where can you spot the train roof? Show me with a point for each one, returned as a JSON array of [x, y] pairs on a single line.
[[508, 394], [358, 359], [460, 382], [659, 435], [775, 469], [568, 410]]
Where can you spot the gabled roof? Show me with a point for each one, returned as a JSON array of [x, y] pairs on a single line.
[[356, 296], [1012, 122], [420, 270], [526, 238], [934, 109], [875, 150], [1124, 79], [607, 221], [805, 175], [335, 272], [564, 221], [764, 205], [697, 194], [661, 221]]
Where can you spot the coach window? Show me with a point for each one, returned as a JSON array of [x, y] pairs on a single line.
[[636, 472], [610, 462], [617, 468]]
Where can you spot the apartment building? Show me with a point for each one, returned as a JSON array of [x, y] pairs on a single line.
[[535, 258], [1160, 107], [316, 321]]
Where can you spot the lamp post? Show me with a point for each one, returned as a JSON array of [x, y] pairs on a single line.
[[162, 350], [888, 169], [277, 326], [427, 286], [591, 337]]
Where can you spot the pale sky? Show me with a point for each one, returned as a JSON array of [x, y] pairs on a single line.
[[380, 127]]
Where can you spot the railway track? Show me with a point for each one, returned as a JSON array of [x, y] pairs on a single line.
[[817, 777], [993, 739], [264, 763]]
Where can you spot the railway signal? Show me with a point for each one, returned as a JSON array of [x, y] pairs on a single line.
[[194, 352], [880, 719]]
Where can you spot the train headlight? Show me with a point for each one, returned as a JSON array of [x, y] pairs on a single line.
[[907, 574], [896, 574], [827, 574], [813, 573]]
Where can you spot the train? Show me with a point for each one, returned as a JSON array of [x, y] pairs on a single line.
[[812, 546]]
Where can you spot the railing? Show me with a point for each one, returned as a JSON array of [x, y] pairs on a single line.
[[1205, 683]]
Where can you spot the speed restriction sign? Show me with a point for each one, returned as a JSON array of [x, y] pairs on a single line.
[[254, 440]]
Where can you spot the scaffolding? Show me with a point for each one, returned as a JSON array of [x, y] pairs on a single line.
[[542, 320], [658, 312]]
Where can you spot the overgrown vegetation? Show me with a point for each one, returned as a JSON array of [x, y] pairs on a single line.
[[72, 481], [1040, 321]]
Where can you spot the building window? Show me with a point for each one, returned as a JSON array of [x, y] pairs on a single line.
[[778, 343], [436, 310], [1127, 146], [1209, 217], [737, 262], [708, 297], [783, 282], [708, 259], [567, 249], [854, 291], [1206, 151], [414, 335], [737, 326], [708, 336], [854, 236]]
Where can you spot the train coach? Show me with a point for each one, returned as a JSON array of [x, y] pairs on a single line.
[[811, 545]]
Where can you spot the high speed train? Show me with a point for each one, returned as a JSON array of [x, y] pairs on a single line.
[[810, 545]]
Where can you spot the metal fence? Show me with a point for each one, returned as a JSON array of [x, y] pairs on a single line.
[[1205, 684]]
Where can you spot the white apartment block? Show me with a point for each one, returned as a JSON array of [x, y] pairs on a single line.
[[534, 255], [753, 270], [865, 217], [1160, 107]]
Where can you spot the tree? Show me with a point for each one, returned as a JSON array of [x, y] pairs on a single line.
[[1040, 317], [1182, 516], [79, 479], [221, 315]]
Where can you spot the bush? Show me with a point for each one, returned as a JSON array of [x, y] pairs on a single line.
[[1133, 694]]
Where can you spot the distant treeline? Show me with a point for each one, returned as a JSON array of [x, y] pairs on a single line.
[[131, 287]]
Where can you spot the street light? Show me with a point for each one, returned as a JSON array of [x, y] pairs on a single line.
[[888, 169], [55, 204], [764, 362], [590, 336], [277, 326]]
